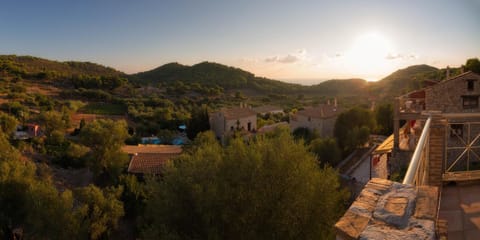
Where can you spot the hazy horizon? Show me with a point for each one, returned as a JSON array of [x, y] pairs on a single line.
[[302, 40]]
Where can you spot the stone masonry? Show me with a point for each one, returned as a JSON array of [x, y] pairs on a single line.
[[390, 210], [436, 151]]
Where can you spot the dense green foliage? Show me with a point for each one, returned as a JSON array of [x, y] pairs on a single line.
[[353, 128], [384, 119], [101, 210], [213, 74], [343, 87], [326, 150], [105, 139], [404, 80], [473, 64], [31, 204], [27, 66], [271, 188]]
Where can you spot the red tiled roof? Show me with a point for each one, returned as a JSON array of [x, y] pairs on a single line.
[[149, 163], [151, 148], [322, 111]]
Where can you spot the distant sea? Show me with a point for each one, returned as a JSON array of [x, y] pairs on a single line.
[[306, 82]]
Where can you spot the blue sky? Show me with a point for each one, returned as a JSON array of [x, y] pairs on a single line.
[[302, 41]]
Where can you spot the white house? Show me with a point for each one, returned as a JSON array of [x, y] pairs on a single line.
[[321, 119], [228, 120]]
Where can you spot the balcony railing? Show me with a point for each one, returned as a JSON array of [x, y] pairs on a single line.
[[417, 173]]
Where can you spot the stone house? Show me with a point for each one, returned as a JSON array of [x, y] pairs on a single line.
[[455, 104], [321, 119], [229, 120]]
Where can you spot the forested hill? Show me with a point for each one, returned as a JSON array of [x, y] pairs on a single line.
[[405, 80], [212, 74], [340, 87], [216, 76], [28, 66]]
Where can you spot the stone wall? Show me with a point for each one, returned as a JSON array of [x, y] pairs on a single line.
[[323, 126], [436, 151], [447, 95], [390, 210]]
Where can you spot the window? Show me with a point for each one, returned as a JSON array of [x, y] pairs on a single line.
[[456, 130], [470, 102], [470, 84]]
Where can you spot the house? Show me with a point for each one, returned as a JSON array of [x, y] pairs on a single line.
[[454, 104], [150, 159], [443, 123], [321, 119], [26, 131], [229, 120]]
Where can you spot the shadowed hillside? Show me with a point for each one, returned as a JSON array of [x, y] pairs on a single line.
[[28, 66], [405, 80], [213, 74]]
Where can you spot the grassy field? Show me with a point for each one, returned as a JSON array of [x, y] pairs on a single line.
[[103, 109]]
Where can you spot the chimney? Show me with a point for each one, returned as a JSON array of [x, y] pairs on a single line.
[[335, 102], [448, 72], [328, 102]]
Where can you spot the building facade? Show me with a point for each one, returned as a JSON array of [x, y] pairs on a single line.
[[320, 119], [228, 120]]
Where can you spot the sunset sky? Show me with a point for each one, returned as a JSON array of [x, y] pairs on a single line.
[[298, 41]]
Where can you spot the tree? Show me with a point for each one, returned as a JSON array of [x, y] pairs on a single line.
[[52, 121], [384, 119], [270, 188], [305, 134], [99, 210], [199, 121], [8, 123], [326, 150], [473, 64], [352, 128], [105, 139], [30, 203]]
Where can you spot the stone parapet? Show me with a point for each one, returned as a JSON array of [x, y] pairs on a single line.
[[390, 210]]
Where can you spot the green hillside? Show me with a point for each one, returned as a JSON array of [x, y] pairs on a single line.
[[405, 80], [28, 66], [212, 74], [340, 87]]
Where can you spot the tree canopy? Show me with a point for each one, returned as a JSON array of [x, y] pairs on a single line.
[[105, 139], [353, 127], [270, 188]]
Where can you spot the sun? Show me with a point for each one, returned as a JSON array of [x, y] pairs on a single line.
[[368, 55]]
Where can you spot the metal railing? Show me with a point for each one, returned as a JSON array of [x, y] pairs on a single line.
[[417, 172]]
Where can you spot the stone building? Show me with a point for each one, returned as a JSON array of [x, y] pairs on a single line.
[[321, 119], [229, 120]]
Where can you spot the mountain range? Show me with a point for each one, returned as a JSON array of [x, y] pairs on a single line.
[[228, 78]]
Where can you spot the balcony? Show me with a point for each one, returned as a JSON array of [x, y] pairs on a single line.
[[427, 204]]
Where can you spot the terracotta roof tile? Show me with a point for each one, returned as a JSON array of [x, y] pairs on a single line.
[[151, 148], [149, 163]]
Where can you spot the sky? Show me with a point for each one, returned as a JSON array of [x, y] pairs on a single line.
[[298, 41]]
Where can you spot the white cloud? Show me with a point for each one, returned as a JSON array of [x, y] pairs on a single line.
[[297, 56], [394, 56]]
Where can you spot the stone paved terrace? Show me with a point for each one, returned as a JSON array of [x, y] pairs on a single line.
[[460, 207], [390, 210]]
